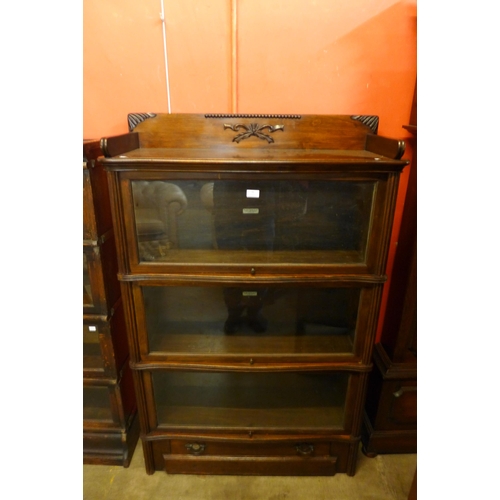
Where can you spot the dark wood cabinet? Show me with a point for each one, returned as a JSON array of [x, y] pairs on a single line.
[[390, 420], [251, 257], [110, 423]]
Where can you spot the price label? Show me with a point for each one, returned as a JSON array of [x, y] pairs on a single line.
[[253, 193]]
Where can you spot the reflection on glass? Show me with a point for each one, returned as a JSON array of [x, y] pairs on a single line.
[[254, 220], [242, 400], [87, 290], [227, 320], [96, 404]]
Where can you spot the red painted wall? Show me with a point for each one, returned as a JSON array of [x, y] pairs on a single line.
[[251, 56]]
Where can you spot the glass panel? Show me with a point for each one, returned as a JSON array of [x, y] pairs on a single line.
[[228, 320], [96, 404], [253, 221], [242, 400], [87, 290], [92, 357]]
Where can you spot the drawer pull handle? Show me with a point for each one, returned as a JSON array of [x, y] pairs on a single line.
[[305, 449], [195, 448]]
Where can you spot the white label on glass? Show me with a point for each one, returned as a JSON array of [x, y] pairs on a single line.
[[92, 329], [249, 294], [253, 193], [250, 210]]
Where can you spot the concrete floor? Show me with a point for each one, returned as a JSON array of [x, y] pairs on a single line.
[[385, 477]]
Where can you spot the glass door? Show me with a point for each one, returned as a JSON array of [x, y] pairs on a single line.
[[245, 319], [238, 400], [252, 221]]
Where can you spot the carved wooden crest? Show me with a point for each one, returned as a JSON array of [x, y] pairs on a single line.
[[253, 129]]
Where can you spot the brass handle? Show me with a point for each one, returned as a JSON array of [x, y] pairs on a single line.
[[305, 449], [195, 448]]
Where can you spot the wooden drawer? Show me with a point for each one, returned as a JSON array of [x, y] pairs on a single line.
[[262, 466], [201, 456], [199, 448], [398, 406], [403, 410]]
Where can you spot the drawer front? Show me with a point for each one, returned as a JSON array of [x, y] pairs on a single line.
[[261, 466], [398, 406], [245, 457], [288, 449], [403, 410]]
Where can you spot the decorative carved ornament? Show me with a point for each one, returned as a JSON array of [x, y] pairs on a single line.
[[266, 117], [253, 129], [368, 120], [135, 118]]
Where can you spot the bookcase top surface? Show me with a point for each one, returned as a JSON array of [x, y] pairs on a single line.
[[239, 139]]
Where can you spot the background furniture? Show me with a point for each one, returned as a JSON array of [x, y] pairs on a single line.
[[110, 423], [390, 420], [157, 205], [251, 340]]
